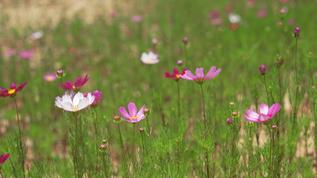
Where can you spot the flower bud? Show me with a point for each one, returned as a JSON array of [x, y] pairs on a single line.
[[179, 62], [185, 40], [229, 121], [296, 32], [262, 69], [117, 118], [60, 73]]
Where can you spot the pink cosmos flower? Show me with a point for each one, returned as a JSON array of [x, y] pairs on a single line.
[[200, 77], [132, 115], [26, 54], [12, 90], [98, 97], [261, 13], [49, 77], [137, 18], [76, 85], [214, 18], [175, 75], [265, 113], [9, 52], [4, 158]]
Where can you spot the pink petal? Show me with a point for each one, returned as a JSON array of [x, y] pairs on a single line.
[[188, 75], [213, 72], [200, 73], [132, 109], [252, 116], [4, 157], [264, 109], [124, 112], [275, 108]]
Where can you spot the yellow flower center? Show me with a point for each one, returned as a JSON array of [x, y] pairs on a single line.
[[133, 117], [178, 76], [11, 91]]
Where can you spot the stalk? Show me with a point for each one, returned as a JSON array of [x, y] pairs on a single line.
[[205, 129], [20, 142]]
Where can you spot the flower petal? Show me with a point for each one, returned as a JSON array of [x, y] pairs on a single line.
[[275, 108], [251, 116], [200, 72], [212, 73], [263, 109], [132, 109], [124, 112]]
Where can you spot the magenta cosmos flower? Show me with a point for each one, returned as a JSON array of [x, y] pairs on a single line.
[[200, 77], [12, 90], [265, 113], [26, 54], [76, 85], [4, 158], [132, 115], [175, 75]]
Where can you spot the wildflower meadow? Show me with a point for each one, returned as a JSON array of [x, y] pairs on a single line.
[[160, 88]]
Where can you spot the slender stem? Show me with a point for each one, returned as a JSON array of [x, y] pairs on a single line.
[[121, 139], [296, 83], [205, 128], [20, 137], [178, 101]]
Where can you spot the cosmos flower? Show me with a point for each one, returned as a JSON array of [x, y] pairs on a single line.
[[200, 77], [149, 58], [12, 90], [26, 54], [261, 13], [9, 52], [137, 18], [132, 115], [36, 35], [98, 97], [214, 18], [4, 158], [49, 77], [76, 85], [234, 18], [175, 75], [265, 113], [72, 102]]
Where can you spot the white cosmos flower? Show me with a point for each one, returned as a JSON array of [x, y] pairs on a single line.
[[149, 58], [234, 18], [74, 102], [36, 35]]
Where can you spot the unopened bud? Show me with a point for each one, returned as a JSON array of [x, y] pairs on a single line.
[[185, 40], [179, 62], [296, 32], [262, 69], [60, 73], [229, 121], [117, 118]]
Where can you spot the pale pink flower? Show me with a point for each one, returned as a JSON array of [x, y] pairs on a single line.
[[9, 52], [132, 115], [200, 77], [49, 77], [264, 114], [137, 18]]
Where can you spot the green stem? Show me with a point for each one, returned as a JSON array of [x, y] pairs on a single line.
[[205, 129], [178, 101], [296, 84], [20, 136]]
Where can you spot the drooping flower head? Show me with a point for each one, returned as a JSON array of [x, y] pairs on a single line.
[[49, 77], [149, 58], [264, 114], [175, 75], [76, 85], [72, 102], [200, 77], [4, 158], [12, 90], [132, 115]]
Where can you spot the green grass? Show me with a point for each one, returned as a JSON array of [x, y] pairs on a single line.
[[109, 53]]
